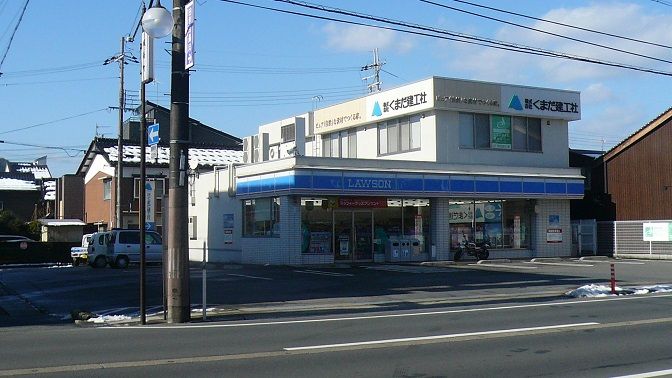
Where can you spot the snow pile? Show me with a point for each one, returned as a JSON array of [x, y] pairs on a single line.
[[60, 266], [594, 290], [109, 318]]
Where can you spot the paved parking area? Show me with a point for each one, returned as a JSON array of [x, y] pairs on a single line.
[[54, 292]]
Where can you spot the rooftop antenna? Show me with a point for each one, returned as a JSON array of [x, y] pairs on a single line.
[[376, 66]]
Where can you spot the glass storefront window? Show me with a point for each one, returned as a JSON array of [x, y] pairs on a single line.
[[261, 217], [502, 223], [316, 226], [393, 218]]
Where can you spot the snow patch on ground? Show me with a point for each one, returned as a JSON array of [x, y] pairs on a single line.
[[109, 318], [59, 266], [595, 291]]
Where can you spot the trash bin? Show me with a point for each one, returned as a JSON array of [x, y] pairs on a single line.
[[417, 254], [405, 246], [392, 250]]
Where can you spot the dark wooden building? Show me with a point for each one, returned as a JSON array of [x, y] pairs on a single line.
[[638, 172]]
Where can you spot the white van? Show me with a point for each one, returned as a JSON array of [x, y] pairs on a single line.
[[97, 249], [120, 247]]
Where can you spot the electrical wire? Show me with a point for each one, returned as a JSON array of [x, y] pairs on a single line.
[[545, 32], [663, 2], [54, 121], [563, 24], [77, 151], [48, 71], [58, 81], [23, 11], [453, 36]]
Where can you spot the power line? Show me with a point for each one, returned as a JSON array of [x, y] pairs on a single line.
[[565, 25], [58, 81], [77, 151], [50, 122], [47, 71], [546, 32], [663, 2], [458, 37], [23, 11]]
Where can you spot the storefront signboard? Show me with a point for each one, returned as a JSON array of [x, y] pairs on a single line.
[[553, 235], [659, 231], [339, 117], [500, 133], [538, 102], [401, 101], [362, 202]]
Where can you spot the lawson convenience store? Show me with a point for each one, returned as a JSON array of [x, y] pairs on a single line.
[[432, 163]]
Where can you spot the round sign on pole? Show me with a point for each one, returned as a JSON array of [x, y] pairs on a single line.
[[23, 245]]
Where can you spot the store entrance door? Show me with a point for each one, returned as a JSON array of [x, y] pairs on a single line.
[[353, 235]]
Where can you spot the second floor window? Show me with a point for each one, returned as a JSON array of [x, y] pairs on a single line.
[[500, 132], [341, 144], [288, 133], [399, 135], [107, 189]]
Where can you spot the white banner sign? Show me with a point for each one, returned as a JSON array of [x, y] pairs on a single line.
[[659, 231], [150, 196]]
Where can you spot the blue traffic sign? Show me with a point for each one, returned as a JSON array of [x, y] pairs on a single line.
[[153, 134]]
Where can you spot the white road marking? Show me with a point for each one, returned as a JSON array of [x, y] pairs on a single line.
[[409, 269], [505, 266], [658, 373], [557, 264], [428, 313], [246, 276], [321, 273], [614, 262], [440, 337]]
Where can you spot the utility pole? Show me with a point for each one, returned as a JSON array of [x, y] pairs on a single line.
[[120, 141], [177, 268], [376, 66]]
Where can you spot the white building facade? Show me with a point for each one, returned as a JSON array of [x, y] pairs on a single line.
[[400, 175]]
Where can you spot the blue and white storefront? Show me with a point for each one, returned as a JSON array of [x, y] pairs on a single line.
[[405, 175]]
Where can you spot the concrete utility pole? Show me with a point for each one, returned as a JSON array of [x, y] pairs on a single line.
[[177, 268], [120, 144]]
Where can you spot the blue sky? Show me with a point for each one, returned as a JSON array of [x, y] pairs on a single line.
[[255, 66]]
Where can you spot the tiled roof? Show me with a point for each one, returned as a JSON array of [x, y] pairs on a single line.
[[198, 157], [39, 171], [17, 184]]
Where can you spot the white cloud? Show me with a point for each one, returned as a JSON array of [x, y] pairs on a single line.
[[596, 93], [363, 38], [610, 17]]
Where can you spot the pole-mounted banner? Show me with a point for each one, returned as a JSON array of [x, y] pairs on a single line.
[[147, 58], [189, 34]]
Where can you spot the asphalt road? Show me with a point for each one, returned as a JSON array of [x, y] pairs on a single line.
[[569, 337], [258, 291]]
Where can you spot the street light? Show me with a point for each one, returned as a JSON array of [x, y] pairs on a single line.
[[157, 22]]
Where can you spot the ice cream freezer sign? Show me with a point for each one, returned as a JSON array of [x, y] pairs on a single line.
[[659, 231]]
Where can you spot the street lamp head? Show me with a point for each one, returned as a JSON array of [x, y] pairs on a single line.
[[157, 21]]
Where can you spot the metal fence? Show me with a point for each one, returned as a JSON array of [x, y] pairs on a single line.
[[629, 239]]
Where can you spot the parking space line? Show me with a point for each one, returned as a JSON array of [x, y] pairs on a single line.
[[505, 266], [615, 262], [246, 276], [556, 264], [321, 273]]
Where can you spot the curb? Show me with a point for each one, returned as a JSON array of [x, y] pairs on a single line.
[[588, 258], [543, 259], [493, 261], [643, 256]]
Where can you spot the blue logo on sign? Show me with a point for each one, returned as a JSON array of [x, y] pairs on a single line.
[[515, 103], [376, 110]]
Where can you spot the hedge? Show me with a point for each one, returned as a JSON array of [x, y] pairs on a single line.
[[36, 252]]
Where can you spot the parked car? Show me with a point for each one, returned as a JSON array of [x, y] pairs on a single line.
[[120, 247], [80, 254], [96, 251]]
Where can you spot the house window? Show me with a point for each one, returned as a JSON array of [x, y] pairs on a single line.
[[399, 135], [288, 133], [107, 189], [261, 217]]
